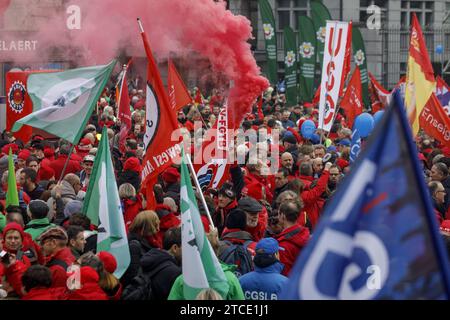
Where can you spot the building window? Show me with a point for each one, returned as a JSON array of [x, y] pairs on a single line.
[[288, 12], [424, 11], [364, 4]]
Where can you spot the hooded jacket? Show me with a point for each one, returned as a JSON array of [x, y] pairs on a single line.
[[292, 239], [57, 165], [263, 283], [163, 269], [58, 264], [234, 291], [90, 289]]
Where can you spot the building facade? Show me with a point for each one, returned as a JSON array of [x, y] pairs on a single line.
[[386, 47]]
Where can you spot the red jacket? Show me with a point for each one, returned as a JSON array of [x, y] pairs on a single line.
[[166, 222], [41, 293], [292, 239], [259, 182], [131, 209], [307, 180], [312, 199], [59, 274], [90, 289], [220, 215], [58, 165], [15, 272]]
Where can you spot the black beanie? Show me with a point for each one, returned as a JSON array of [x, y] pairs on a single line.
[[236, 219]]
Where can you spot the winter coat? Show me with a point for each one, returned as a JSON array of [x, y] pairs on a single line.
[[42, 293], [163, 269], [138, 247], [57, 165], [220, 216], [263, 283], [90, 289], [131, 208], [131, 177], [58, 264], [313, 203], [37, 226], [292, 239], [36, 193], [234, 291], [167, 220], [14, 273], [173, 191]]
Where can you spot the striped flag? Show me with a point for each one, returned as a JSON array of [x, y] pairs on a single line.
[[201, 268], [102, 205], [420, 82]]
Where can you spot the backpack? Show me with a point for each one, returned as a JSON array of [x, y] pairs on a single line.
[[140, 287], [238, 255]]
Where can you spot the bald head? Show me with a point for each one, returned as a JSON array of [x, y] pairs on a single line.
[[287, 161]]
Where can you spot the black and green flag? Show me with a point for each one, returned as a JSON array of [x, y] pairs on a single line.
[[307, 51], [359, 54], [290, 66], [270, 39]]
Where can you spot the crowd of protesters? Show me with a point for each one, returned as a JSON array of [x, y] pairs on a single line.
[[262, 220]]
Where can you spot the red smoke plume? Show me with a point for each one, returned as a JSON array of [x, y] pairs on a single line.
[[173, 26]]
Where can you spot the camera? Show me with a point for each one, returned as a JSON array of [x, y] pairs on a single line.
[[4, 256], [330, 157]]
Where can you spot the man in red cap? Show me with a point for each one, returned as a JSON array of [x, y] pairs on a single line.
[[131, 173], [22, 158]]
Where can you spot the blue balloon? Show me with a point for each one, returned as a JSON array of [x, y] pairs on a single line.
[[377, 116], [364, 123], [439, 49], [308, 128]]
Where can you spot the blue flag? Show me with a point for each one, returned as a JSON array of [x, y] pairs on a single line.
[[356, 146], [378, 237]]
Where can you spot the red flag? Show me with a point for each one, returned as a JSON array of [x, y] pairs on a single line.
[[435, 121], [380, 97], [124, 100], [316, 98], [441, 86], [124, 113], [211, 163], [18, 102], [178, 94], [198, 97], [347, 58], [352, 100], [160, 124], [259, 103]]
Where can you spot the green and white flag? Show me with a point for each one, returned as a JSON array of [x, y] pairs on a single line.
[[102, 205], [270, 39], [201, 268], [63, 101], [307, 57], [319, 15], [12, 196], [290, 66]]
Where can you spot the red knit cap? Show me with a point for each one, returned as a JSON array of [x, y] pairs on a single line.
[[109, 261], [171, 175], [88, 275], [49, 152], [24, 154], [132, 164], [14, 148], [13, 226], [46, 173]]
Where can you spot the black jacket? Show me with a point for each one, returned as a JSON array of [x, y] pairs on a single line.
[[277, 192], [131, 177], [173, 191], [163, 269], [138, 247]]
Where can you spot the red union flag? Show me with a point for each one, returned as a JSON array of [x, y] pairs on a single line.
[[211, 163], [380, 96], [178, 94], [333, 68], [352, 100], [435, 121], [160, 150]]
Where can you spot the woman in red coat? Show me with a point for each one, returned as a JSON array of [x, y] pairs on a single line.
[[90, 289], [131, 204]]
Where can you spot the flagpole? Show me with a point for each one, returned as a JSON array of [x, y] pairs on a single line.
[[65, 164], [197, 185]]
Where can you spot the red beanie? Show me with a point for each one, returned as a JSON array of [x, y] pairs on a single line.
[[253, 190], [171, 175], [132, 164], [109, 261], [13, 226], [46, 173], [49, 152], [88, 275], [24, 154], [14, 148]]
